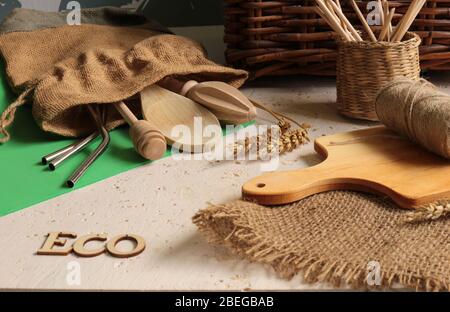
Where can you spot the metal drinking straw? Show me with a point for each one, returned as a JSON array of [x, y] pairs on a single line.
[[80, 171], [55, 159], [48, 158]]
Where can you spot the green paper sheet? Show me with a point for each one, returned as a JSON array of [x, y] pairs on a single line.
[[25, 181]]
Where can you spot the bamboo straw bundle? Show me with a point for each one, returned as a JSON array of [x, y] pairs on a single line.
[[370, 64], [363, 21], [386, 31], [408, 19], [381, 10], [386, 13], [328, 13], [331, 12]]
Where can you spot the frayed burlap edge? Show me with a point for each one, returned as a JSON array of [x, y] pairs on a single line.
[[244, 242]]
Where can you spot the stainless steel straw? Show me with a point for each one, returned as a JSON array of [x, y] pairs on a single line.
[[75, 177], [48, 158], [57, 158]]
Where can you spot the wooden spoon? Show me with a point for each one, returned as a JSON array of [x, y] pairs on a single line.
[[167, 110]]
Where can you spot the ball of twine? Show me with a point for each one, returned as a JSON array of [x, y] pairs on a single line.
[[418, 110]]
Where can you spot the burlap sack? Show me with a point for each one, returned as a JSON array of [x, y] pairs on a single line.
[[336, 237], [63, 68]]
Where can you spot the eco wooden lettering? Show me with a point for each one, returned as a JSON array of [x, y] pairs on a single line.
[[80, 249]]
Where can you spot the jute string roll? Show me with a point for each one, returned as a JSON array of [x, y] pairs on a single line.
[[418, 110]]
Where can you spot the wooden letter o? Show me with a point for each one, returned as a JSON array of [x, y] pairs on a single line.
[[140, 246], [81, 251]]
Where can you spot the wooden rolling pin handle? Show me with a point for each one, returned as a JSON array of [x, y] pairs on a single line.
[[148, 141]]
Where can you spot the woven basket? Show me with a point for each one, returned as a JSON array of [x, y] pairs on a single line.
[[363, 68], [287, 37]]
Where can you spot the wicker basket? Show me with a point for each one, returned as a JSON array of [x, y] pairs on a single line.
[[288, 37], [363, 68]]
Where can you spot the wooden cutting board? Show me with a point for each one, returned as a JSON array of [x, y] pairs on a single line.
[[374, 160]]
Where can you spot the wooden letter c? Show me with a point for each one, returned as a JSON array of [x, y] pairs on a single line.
[[82, 251]]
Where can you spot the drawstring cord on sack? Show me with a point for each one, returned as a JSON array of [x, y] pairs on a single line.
[[7, 117]]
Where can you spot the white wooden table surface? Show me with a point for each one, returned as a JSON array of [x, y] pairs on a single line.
[[157, 201]]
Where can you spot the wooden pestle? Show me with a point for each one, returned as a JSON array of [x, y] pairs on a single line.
[[148, 141], [226, 102]]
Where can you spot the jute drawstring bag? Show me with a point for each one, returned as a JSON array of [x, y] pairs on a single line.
[[339, 237], [60, 69]]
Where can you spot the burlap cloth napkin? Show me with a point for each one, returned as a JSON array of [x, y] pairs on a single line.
[[337, 237], [62, 68]]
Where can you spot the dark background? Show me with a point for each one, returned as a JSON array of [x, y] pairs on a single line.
[[167, 12]]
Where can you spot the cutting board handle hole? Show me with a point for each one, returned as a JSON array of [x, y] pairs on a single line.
[[260, 185]]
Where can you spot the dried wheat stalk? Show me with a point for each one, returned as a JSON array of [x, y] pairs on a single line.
[[431, 212], [266, 146]]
